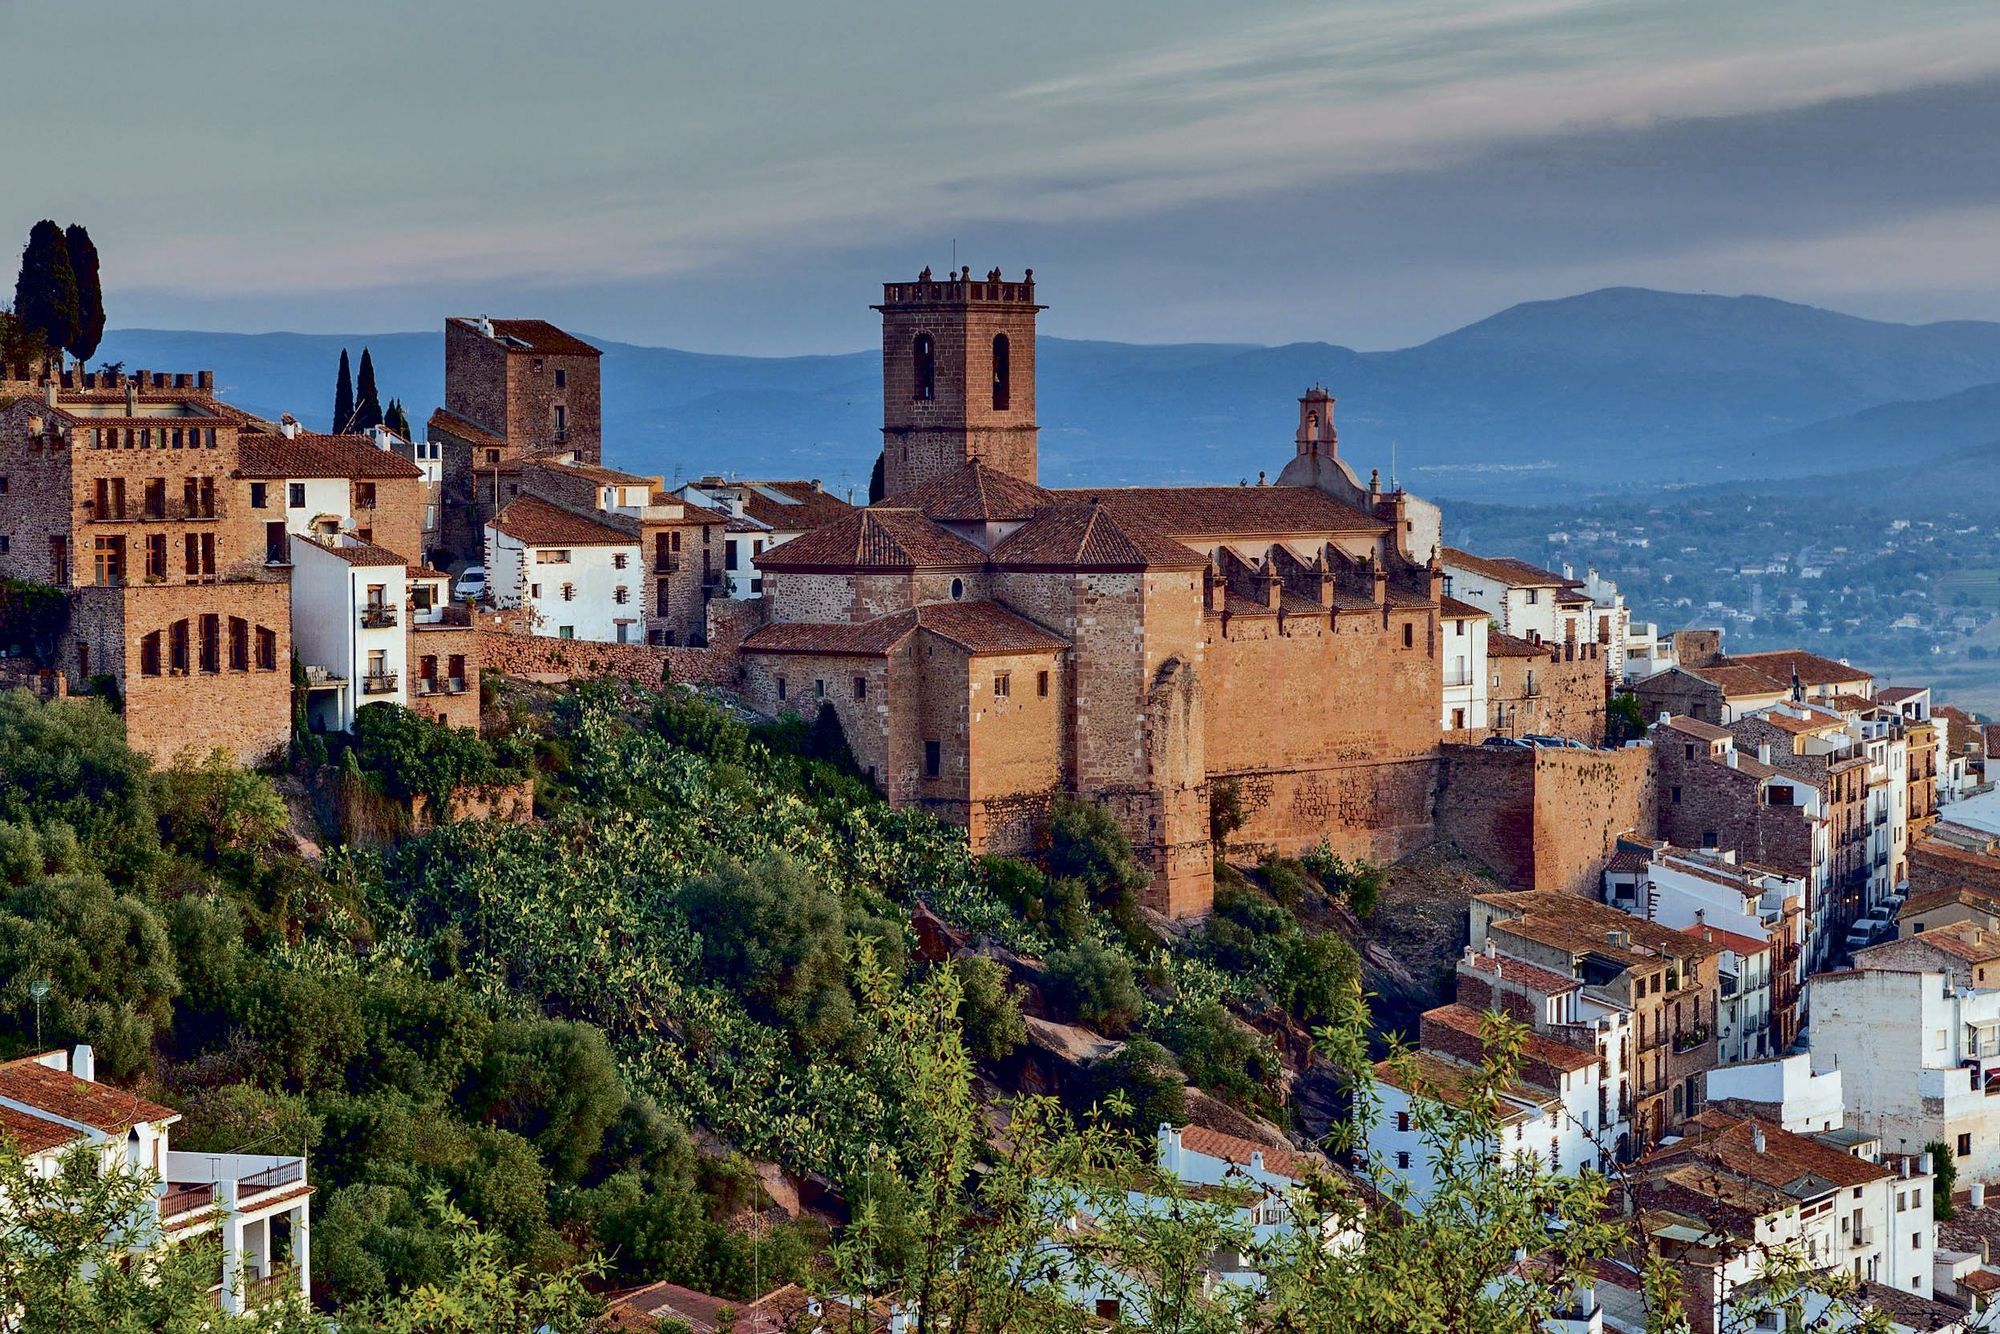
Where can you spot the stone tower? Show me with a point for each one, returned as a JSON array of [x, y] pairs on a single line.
[[958, 376]]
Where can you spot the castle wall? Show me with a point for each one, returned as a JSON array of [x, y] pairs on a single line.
[[1545, 818]]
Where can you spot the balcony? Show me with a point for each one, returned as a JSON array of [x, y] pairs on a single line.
[[142, 513], [379, 683], [1688, 1039], [180, 1199], [378, 618]]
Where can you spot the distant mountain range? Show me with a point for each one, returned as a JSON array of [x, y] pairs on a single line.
[[1612, 388]]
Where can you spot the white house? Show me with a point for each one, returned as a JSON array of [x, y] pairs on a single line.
[[576, 577], [1783, 1090], [1524, 600], [259, 1204], [1611, 622], [348, 627], [1919, 1059], [1559, 1108], [762, 515], [1463, 628], [1756, 914]]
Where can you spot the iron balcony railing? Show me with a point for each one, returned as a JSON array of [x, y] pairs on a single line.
[[379, 683]]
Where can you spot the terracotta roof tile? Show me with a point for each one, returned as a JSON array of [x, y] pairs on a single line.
[[1738, 679], [1695, 727], [792, 507], [647, 1308], [538, 523], [1813, 670], [102, 1107], [1507, 570], [31, 1134], [536, 336], [1582, 925], [1451, 609], [977, 627], [877, 538], [975, 493], [1446, 1081], [466, 429], [358, 553], [1235, 1149], [1734, 941], [311, 455], [1532, 976], [1540, 1046], [1728, 1142], [1231, 511], [1085, 535], [1502, 645]]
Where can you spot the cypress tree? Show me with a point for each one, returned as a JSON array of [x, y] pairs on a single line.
[[367, 406], [45, 292], [343, 396], [89, 293], [396, 419]]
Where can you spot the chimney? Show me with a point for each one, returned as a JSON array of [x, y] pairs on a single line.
[[1757, 1139], [83, 1062], [49, 393], [131, 399], [1978, 1200], [289, 425]]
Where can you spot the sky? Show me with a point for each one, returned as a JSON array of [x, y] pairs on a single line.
[[739, 177]]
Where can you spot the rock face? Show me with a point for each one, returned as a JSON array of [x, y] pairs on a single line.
[[1416, 933]]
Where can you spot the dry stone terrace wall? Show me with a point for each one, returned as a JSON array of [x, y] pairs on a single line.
[[505, 646]]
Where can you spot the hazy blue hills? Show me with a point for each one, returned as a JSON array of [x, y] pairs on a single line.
[[1622, 386]]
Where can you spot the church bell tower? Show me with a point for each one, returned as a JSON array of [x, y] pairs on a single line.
[[958, 376]]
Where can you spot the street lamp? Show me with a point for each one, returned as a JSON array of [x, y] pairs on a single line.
[[38, 989]]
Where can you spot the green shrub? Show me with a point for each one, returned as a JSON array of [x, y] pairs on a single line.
[[1137, 1087], [1225, 811], [779, 938], [1285, 878], [1358, 882], [989, 1009], [1094, 983], [1221, 1055]]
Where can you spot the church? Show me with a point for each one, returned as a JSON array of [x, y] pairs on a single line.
[[990, 644]]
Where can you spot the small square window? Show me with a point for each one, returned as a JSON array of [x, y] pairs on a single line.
[[295, 495], [259, 495], [1003, 685], [618, 560]]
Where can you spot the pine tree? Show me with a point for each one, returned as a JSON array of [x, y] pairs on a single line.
[[89, 293], [343, 396], [45, 299], [367, 406]]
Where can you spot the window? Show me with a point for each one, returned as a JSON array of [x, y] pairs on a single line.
[[933, 759], [239, 644], [569, 592], [1001, 371], [1003, 685], [621, 595], [260, 495], [819, 687], [565, 632], [149, 655], [562, 422], [1403, 1159], [534, 590], [1676, 793], [618, 560], [1409, 635], [1708, 839], [662, 601], [295, 495], [1457, 720], [781, 687], [1402, 1121], [454, 666], [1534, 596], [1965, 1146], [210, 627], [923, 357], [861, 687], [1042, 684], [957, 589], [422, 596], [267, 650], [729, 555], [3, 485], [493, 456], [562, 378], [1107, 1308], [427, 668], [177, 648], [156, 555], [552, 556]]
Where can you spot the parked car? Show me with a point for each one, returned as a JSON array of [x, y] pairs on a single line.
[[471, 584], [1859, 937], [1555, 742], [1507, 743]]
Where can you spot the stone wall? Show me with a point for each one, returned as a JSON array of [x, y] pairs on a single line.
[[396, 518], [504, 646], [1545, 818], [1558, 693]]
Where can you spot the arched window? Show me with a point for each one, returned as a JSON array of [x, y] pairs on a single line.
[[1002, 371], [924, 356], [957, 589]]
